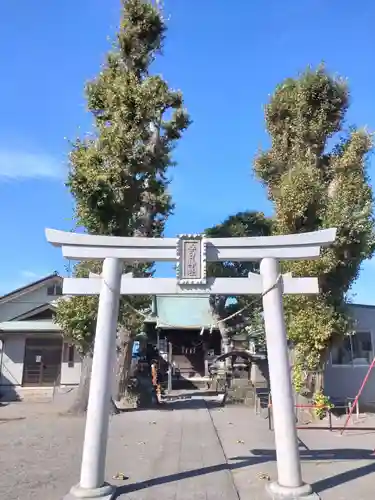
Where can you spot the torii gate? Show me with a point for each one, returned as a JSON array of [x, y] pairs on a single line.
[[191, 253]]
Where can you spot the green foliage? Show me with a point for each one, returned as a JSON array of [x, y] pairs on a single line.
[[323, 404], [77, 317], [119, 174], [315, 185], [239, 225]]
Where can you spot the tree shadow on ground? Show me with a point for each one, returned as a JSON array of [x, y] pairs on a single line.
[[329, 455], [11, 419], [190, 404], [263, 456], [157, 481], [311, 455]]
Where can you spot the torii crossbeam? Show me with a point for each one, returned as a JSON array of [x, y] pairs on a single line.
[[191, 253]]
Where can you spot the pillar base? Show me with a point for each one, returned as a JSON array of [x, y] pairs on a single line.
[[278, 492], [105, 492]]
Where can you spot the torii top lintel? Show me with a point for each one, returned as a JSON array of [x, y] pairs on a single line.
[[286, 247], [191, 252]]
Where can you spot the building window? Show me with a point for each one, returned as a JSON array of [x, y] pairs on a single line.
[[54, 290], [355, 350]]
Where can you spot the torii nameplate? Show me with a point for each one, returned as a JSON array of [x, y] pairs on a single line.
[[191, 259]]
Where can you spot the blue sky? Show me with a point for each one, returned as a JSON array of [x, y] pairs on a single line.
[[226, 57]]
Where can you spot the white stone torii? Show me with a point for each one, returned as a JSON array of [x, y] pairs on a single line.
[[191, 253]]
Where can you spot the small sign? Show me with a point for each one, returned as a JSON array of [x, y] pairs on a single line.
[[136, 349], [38, 359]]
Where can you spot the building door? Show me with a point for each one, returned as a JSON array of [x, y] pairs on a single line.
[[42, 362]]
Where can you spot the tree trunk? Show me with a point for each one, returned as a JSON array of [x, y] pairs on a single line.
[[124, 360], [126, 369], [218, 312], [125, 339], [224, 337], [79, 406], [315, 382], [217, 304]]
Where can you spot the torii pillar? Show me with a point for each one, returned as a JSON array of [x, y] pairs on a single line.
[[289, 484], [191, 253]]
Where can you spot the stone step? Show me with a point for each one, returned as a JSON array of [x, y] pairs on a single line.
[[190, 383]]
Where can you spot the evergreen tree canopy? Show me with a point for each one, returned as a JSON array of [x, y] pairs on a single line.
[[119, 174], [316, 174], [241, 224]]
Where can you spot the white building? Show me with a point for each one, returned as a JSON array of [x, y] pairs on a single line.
[[349, 362], [32, 351]]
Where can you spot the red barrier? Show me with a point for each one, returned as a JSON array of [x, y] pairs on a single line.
[[355, 403], [307, 406], [303, 427], [330, 427]]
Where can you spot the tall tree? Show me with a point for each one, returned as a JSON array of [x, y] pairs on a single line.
[[315, 173], [238, 225], [119, 174]]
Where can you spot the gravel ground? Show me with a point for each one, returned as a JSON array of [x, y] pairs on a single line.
[[184, 452]]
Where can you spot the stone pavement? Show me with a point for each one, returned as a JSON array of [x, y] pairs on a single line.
[[182, 452], [338, 467], [171, 454]]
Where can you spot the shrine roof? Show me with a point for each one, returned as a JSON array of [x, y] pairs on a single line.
[[193, 311]]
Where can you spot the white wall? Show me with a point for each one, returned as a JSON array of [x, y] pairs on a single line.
[[70, 375], [11, 360], [344, 381], [12, 351]]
